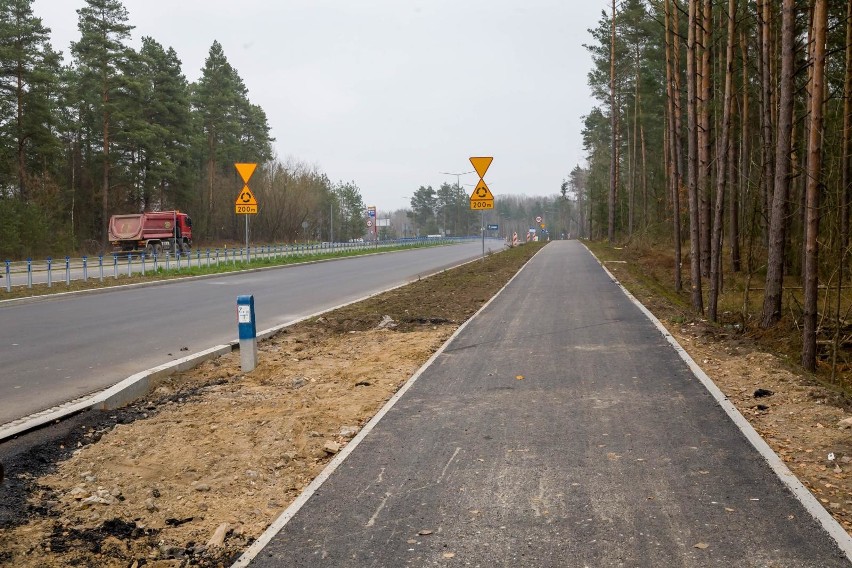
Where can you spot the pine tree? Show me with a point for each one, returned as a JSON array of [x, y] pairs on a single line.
[[101, 55], [163, 141], [25, 62], [234, 129]]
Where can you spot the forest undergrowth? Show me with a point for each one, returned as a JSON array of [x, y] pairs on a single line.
[[740, 308]]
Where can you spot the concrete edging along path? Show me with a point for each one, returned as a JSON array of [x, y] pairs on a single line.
[[787, 477]]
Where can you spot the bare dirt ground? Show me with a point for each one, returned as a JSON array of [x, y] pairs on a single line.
[[194, 473]]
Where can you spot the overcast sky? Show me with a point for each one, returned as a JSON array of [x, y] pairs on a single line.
[[388, 93]]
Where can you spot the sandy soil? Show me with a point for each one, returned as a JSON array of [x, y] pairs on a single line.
[[195, 473]]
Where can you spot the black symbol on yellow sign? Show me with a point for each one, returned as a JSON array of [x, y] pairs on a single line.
[[246, 197], [481, 192]]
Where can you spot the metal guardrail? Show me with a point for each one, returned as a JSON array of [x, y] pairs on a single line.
[[50, 271]]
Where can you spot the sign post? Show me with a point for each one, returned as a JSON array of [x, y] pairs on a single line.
[[246, 203], [247, 332], [371, 224], [481, 198]]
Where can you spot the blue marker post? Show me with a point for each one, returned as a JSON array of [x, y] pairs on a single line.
[[248, 333]]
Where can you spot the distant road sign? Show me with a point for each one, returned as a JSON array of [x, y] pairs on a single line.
[[245, 171], [493, 227], [538, 219], [246, 203], [369, 222], [481, 164], [481, 198], [246, 197]]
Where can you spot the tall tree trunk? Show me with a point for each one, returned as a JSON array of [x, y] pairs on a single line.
[[211, 169], [815, 181], [745, 161], [635, 150], [105, 171], [613, 167], [19, 91], [803, 191], [644, 177], [846, 167], [722, 165], [765, 20], [673, 168], [772, 298], [692, 161], [704, 139]]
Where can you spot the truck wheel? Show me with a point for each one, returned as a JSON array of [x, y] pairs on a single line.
[[149, 250], [184, 247], [158, 249]]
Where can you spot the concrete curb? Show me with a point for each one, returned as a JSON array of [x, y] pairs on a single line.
[[787, 477]]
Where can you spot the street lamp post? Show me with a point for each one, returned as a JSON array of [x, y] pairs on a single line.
[[458, 189]]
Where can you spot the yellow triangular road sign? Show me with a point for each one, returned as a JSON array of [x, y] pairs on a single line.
[[246, 197], [481, 164], [245, 171], [481, 193]]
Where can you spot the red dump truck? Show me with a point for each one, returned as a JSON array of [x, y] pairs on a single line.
[[152, 232]]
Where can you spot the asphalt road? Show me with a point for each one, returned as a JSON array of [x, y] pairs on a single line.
[[60, 348], [558, 429]]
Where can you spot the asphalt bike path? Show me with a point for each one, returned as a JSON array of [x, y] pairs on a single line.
[[558, 428]]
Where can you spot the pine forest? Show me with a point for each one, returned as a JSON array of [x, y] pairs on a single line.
[[723, 135]]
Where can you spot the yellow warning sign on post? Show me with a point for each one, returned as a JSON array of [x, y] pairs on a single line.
[[246, 203], [480, 164], [481, 198], [482, 192], [245, 171]]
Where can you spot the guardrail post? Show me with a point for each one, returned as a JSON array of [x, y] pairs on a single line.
[[208, 258], [217, 258], [247, 333], [49, 276], [142, 258], [29, 273], [177, 258], [8, 275], [154, 257], [168, 261], [67, 270], [129, 264], [101, 266], [115, 266], [85, 269], [198, 258]]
